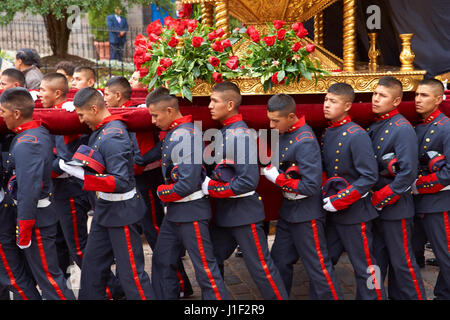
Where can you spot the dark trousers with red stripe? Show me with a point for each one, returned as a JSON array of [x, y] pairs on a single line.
[[252, 241], [14, 275], [173, 238], [122, 245], [437, 228], [357, 241], [395, 255], [42, 258], [305, 240], [147, 183], [73, 221]]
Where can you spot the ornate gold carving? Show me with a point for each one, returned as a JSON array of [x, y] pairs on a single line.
[[222, 16], [318, 29], [349, 43], [261, 11], [373, 51], [361, 82], [407, 55]]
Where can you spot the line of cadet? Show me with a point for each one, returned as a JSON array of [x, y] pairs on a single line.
[[363, 198]]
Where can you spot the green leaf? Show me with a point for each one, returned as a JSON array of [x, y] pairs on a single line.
[[281, 75], [187, 93]]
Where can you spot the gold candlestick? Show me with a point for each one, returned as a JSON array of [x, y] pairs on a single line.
[[407, 55], [373, 53]]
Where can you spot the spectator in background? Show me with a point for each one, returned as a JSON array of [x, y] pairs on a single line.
[[134, 81], [66, 68], [29, 62], [11, 78], [117, 28]]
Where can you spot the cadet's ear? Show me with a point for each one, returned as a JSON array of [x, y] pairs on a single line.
[[91, 82], [17, 114], [348, 106], [397, 101]]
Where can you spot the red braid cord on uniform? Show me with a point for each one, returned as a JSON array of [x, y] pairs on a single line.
[[345, 198], [217, 189], [384, 197], [428, 184], [167, 194]]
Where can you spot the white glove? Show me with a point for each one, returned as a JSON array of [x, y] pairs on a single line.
[[414, 187], [34, 94], [68, 106], [24, 247], [75, 171], [327, 205], [271, 173], [205, 185]]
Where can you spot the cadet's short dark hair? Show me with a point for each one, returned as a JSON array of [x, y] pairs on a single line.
[[16, 75], [67, 66], [342, 89], [283, 103], [90, 71], [122, 84], [18, 98], [391, 82], [436, 84], [161, 94], [58, 78], [87, 97], [230, 86]]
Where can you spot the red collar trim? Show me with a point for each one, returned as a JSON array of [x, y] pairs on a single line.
[[300, 123], [28, 125], [232, 119], [432, 116], [127, 104], [108, 119], [180, 121], [388, 115], [334, 124], [59, 105]]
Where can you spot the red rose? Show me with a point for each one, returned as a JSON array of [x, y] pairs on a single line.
[[278, 24], [160, 70], [197, 41], [280, 34], [143, 72], [166, 62], [220, 33], [226, 43], [140, 41], [214, 61], [233, 62], [217, 77], [173, 42], [296, 46], [168, 21], [275, 79], [296, 26], [269, 41], [147, 56], [153, 37], [155, 27], [191, 25], [212, 35], [302, 32], [217, 46], [310, 47], [255, 36]]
